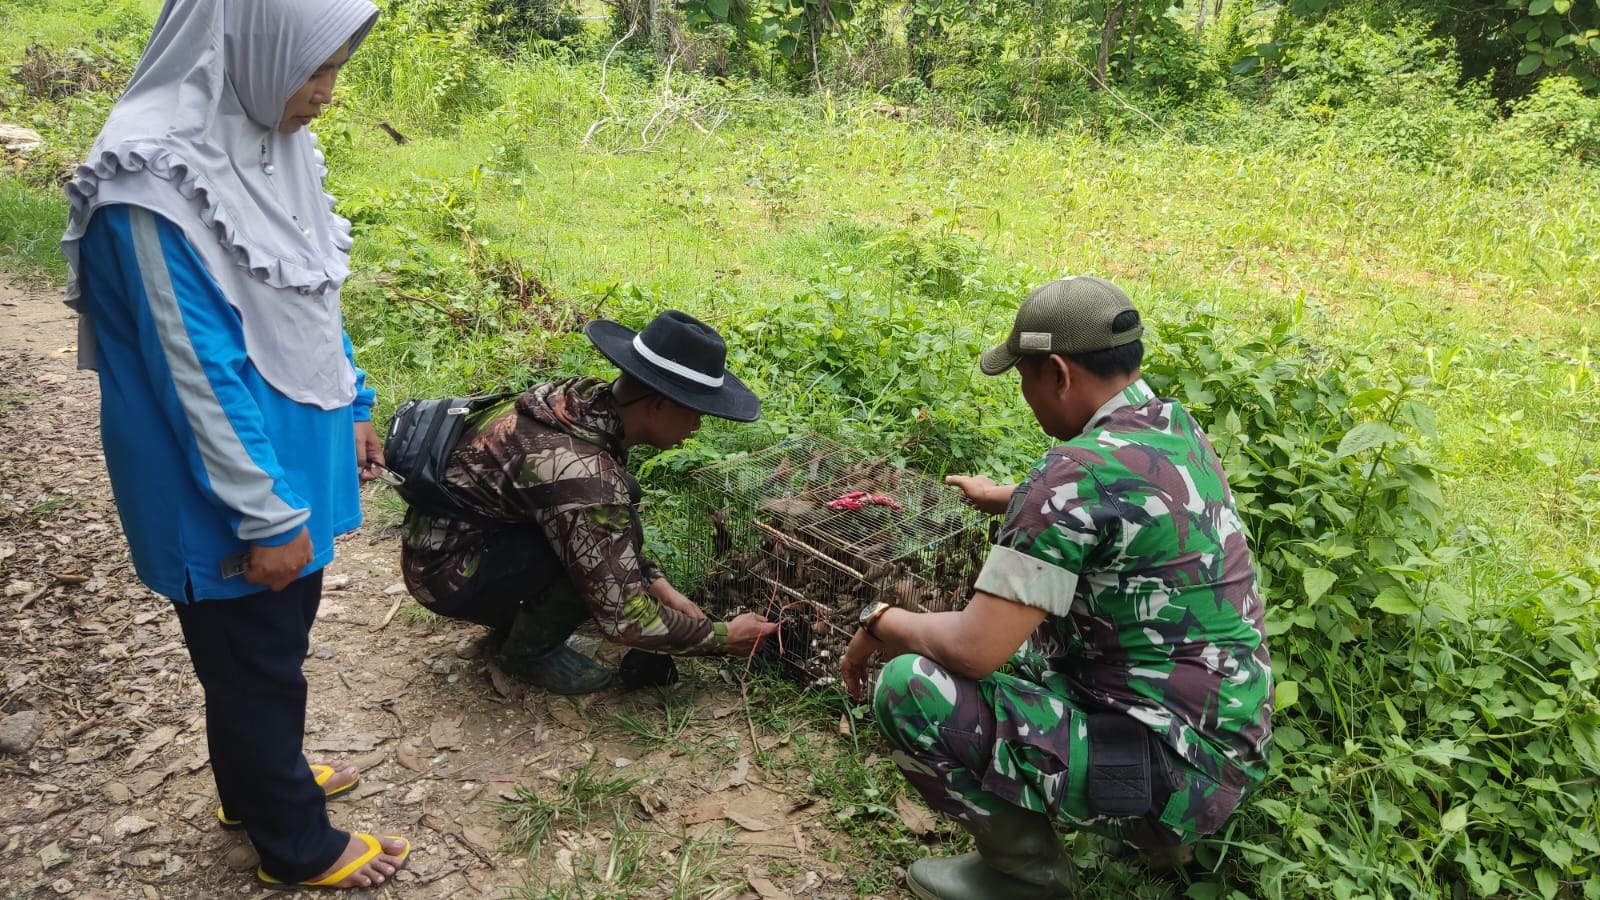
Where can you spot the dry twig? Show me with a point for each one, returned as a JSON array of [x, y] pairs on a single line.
[[393, 608]]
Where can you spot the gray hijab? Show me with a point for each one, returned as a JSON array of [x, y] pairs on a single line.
[[194, 139]]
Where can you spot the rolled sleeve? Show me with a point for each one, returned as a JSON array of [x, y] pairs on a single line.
[[1013, 575]]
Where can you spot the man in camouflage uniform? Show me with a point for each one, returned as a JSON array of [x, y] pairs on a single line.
[[552, 539], [1111, 670]]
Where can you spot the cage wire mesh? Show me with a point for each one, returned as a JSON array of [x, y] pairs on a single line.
[[809, 531]]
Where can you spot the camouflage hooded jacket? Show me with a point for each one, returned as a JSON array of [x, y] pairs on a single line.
[[553, 457], [1128, 536]]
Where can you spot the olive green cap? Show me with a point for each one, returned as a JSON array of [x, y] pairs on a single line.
[[1068, 316]]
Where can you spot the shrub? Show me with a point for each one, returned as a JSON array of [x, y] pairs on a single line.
[[1559, 114], [1165, 62], [513, 22], [900, 366], [1394, 94], [1328, 462], [1410, 714], [1333, 64], [422, 62]]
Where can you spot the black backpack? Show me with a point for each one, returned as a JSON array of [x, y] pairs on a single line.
[[422, 433]]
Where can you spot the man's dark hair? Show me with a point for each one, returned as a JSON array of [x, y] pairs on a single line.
[[1116, 362], [629, 390]]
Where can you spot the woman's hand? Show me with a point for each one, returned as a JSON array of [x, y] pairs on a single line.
[[857, 657], [981, 493], [274, 568], [369, 451]]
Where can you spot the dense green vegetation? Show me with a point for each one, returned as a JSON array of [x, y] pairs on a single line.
[[1371, 242]]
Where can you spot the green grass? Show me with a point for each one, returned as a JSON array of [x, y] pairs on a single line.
[[57, 24], [416, 616], [628, 859], [1417, 264], [650, 732], [574, 800], [630, 864], [31, 223]]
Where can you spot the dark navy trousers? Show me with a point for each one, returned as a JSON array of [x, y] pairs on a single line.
[[248, 652]]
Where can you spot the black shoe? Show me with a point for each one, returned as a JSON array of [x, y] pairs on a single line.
[[641, 668]]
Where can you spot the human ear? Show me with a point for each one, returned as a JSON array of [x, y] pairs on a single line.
[[1061, 371]]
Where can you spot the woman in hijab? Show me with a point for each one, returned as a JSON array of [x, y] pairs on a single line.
[[206, 262]]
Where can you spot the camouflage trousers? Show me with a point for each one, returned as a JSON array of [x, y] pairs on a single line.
[[968, 746]]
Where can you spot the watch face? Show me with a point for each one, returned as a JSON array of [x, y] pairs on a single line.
[[868, 610]]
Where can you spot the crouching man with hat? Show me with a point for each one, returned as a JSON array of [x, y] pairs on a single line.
[[1110, 672], [554, 539]]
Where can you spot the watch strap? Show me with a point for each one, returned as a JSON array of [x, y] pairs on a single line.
[[871, 618]]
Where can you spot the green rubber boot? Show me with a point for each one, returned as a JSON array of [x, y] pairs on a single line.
[[1019, 858], [535, 651], [562, 670]]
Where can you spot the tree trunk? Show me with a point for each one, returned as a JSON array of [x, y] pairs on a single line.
[[1108, 38], [1200, 19]]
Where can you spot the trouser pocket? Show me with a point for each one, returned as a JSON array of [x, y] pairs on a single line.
[[1130, 769]]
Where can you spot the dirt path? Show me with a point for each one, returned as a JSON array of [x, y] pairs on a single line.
[[115, 799]]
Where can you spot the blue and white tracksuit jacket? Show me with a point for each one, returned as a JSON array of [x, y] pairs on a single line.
[[206, 458]]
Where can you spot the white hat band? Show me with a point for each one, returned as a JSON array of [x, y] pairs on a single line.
[[677, 369]]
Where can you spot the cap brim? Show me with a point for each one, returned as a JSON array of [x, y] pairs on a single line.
[[732, 401], [997, 360]]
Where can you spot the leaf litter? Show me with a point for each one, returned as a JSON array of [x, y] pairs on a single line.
[[114, 799]]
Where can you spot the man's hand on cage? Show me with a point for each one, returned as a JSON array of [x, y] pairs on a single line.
[[857, 657], [746, 632], [981, 493]]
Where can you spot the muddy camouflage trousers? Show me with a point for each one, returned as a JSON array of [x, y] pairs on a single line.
[[968, 746]]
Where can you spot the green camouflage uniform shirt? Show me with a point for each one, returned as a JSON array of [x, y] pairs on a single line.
[[553, 457], [1127, 535]]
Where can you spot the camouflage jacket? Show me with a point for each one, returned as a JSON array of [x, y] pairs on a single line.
[[1128, 536], [553, 457]]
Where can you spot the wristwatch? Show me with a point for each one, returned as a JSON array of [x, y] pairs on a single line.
[[870, 614]]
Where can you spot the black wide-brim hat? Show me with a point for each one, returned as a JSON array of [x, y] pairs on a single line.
[[681, 358]]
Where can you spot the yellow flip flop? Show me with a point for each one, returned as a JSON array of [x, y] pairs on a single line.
[[330, 882], [319, 771]]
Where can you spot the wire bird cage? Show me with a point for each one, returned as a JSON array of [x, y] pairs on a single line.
[[809, 531]]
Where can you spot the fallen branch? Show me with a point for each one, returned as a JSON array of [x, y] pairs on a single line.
[[1118, 97], [749, 718], [604, 66], [485, 858], [80, 728], [456, 319], [430, 879], [28, 600], [792, 541]]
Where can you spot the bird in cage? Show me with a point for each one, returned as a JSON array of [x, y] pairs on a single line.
[[721, 539], [790, 513]]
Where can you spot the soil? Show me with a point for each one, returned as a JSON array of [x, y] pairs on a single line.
[[115, 799]]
